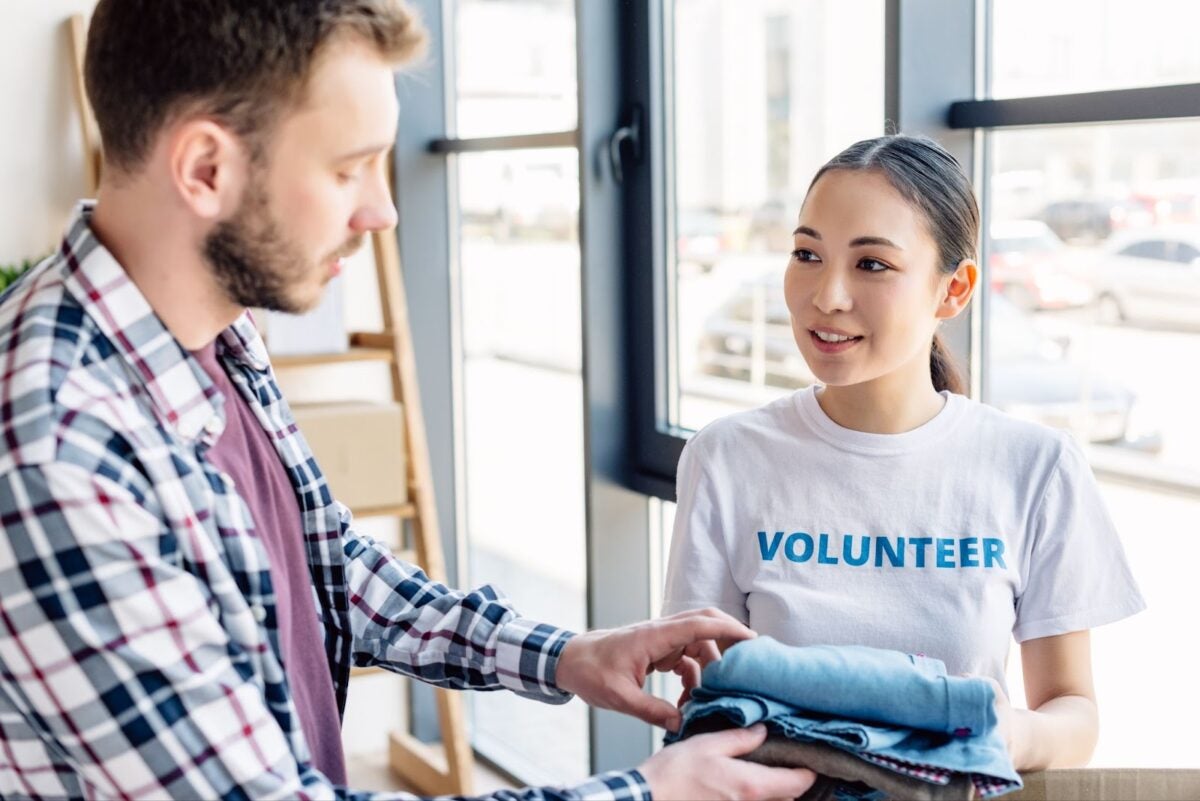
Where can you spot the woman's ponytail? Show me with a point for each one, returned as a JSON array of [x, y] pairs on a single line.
[[946, 375]]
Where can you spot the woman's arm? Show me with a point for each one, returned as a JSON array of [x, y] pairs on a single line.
[[1060, 727]]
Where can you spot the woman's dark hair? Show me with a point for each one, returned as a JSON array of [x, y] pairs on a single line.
[[932, 180]]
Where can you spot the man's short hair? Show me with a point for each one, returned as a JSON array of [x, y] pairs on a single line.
[[241, 61]]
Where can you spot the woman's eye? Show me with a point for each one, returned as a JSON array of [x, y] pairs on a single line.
[[804, 255], [347, 177], [873, 265]]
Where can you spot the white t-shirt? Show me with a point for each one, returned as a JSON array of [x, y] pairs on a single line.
[[948, 540]]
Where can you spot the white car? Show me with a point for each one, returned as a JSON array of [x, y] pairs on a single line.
[[1151, 276]]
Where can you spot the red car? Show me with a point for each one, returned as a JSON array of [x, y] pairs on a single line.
[[1032, 267]]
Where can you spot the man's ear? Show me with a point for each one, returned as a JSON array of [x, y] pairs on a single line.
[[957, 289], [208, 167]]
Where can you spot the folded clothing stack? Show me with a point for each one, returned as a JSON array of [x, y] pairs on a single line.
[[908, 726]]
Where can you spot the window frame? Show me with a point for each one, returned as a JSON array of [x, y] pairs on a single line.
[[941, 94], [917, 94]]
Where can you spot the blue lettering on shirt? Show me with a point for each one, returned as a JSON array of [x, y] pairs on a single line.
[[945, 553], [824, 557], [800, 547], [968, 552], [919, 545], [768, 551], [993, 549], [847, 550], [884, 545], [789, 548]]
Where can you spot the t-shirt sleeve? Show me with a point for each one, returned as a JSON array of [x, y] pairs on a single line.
[[699, 574], [1077, 576]]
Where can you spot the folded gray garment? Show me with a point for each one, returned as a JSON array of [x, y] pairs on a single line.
[[835, 767]]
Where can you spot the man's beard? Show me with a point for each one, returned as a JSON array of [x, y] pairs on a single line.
[[254, 263]]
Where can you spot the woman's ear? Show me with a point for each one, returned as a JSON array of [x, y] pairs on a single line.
[[957, 289]]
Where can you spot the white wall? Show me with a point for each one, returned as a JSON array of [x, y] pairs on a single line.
[[41, 157]]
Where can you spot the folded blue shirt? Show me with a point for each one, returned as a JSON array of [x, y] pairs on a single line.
[[881, 705]]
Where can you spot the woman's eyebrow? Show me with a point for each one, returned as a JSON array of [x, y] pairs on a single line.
[[857, 242], [873, 240]]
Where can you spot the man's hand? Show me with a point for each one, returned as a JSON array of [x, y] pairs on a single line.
[[607, 668], [705, 767]]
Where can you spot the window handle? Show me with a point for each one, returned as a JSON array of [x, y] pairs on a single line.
[[631, 133]]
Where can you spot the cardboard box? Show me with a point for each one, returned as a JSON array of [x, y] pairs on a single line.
[[1109, 784], [360, 449]]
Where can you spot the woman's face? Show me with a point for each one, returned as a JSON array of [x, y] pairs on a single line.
[[863, 285]]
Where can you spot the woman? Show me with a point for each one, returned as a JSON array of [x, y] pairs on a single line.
[[884, 508]]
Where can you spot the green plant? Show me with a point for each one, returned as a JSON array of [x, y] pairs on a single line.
[[11, 272]]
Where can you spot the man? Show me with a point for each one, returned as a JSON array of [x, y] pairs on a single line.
[[180, 598]]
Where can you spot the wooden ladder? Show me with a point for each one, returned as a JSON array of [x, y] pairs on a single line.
[[435, 769]]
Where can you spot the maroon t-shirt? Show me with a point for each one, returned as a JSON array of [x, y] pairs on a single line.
[[246, 454]]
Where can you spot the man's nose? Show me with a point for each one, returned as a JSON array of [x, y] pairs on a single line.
[[377, 212]]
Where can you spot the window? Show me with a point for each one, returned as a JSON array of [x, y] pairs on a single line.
[[1078, 324], [521, 395], [726, 110], [1153, 249], [1106, 316], [760, 99], [1090, 45]]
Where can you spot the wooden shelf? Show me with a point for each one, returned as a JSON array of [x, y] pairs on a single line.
[[355, 672], [406, 511], [351, 356]]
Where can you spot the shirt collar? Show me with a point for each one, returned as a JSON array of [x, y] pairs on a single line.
[[181, 392]]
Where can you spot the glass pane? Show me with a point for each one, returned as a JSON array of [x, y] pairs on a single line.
[[762, 95], [1096, 304], [1163, 635], [523, 428], [1095, 319], [1041, 48], [515, 67]]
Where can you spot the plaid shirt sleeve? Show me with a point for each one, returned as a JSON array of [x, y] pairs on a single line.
[[113, 662], [404, 621]]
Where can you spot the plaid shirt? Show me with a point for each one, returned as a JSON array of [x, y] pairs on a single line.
[[139, 655]]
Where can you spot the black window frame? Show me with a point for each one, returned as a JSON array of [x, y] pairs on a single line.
[[917, 98]]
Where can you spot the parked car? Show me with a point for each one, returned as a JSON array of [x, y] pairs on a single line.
[[1031, 266], [1083, 219], [1151, 277], [749, 339]]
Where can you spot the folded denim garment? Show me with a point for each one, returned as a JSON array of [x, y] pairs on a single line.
[[894, 710], [841, 776]]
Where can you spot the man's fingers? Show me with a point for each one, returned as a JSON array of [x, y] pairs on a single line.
[[766, 782], [733, 742], [688, 670], [654, 711], [775, 782], [678, 632], [668, 662], [704, 652]]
